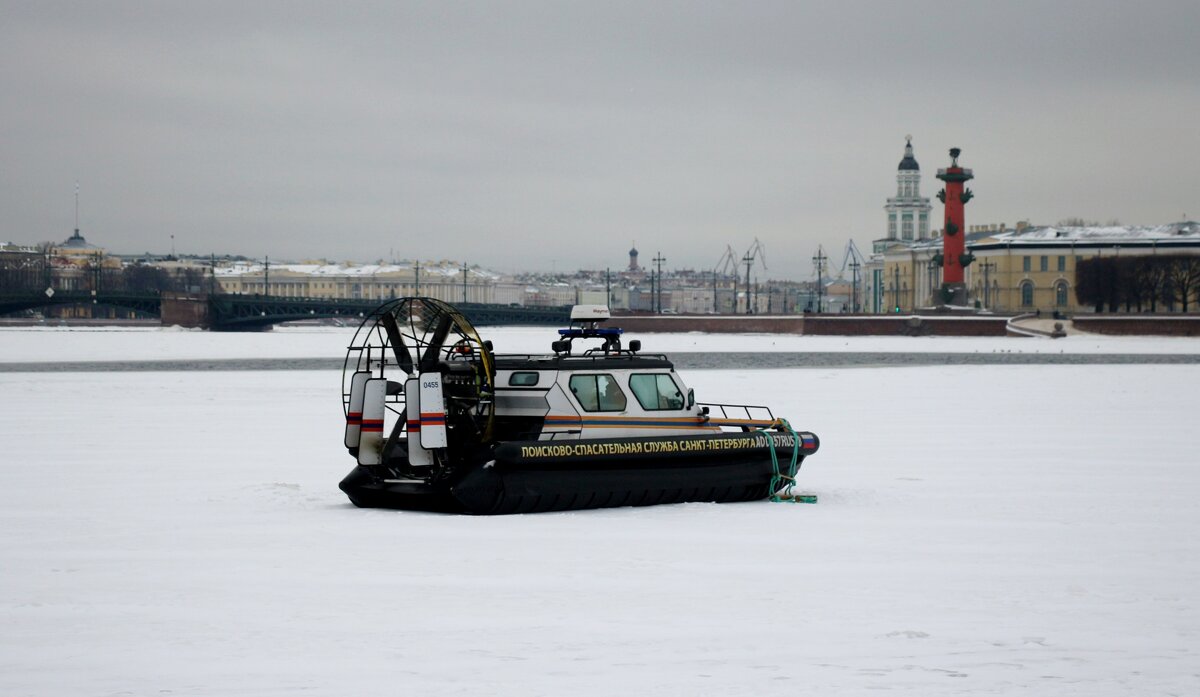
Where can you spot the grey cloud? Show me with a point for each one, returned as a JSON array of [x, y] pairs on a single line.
[[519, 134]]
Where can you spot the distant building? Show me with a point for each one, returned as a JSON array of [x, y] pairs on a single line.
[[1033, 268], [1027, 268], [1017, 269], [78, 264], [21, 267], [907, 224], [907, 211], [441, 280]]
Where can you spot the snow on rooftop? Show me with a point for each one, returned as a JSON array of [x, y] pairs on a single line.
[[443, 269], [1188, 230]]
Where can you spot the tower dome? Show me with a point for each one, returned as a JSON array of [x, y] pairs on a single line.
[[908, 211], [909, 162]]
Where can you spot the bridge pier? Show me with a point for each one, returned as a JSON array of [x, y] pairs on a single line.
[[189, 310]]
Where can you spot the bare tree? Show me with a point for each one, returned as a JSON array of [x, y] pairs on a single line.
[[1152, 274], [142, 277], [1183, 276], [1098, 282]]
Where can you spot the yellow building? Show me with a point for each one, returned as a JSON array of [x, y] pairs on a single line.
[[78, 264], [1028, 269], [904, 277], [1034, 269]]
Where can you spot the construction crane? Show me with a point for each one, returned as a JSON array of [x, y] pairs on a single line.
[[851, 255], [854, 259], [726, 267], [756, 250], [727, 264]]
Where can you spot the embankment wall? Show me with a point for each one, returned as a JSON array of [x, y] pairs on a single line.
[[818, 325]]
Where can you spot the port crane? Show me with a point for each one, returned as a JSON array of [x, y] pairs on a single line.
[[854, 259], [756, 250]]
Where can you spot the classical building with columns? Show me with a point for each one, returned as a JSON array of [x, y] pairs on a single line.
[[1026, 268], [1032, 268], [907, 226], [907, 211]]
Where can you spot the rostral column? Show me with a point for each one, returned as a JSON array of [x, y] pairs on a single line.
[[955, 257]]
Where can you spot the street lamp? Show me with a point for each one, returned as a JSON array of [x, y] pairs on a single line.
[[658, 260]]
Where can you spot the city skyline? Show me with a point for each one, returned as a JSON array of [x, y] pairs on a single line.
[[537, 136]]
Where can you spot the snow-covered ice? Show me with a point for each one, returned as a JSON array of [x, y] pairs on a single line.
[[53, 344], [1031, 532]]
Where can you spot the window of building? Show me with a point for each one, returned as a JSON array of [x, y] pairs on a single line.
[[906, 226], [1062, 263], [923, 227], [1060, 294], [598, 392], [1027, 263], [656, 392], [1026, 293], [892, 226], [1044, 264]]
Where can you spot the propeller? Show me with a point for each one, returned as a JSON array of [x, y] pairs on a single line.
[[396, 339]]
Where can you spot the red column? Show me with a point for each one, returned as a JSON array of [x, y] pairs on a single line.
[[953, 241]]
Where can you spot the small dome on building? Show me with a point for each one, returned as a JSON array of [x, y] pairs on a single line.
[[76, 241], [909, 162]]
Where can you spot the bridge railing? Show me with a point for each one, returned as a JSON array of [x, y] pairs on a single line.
[[228, 311]]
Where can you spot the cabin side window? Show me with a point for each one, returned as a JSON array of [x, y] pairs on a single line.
[[523, 379], [597, 392], [656, 392]]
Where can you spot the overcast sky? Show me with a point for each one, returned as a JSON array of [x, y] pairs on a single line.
[[553, 135]]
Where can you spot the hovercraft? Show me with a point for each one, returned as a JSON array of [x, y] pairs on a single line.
[[438, 422]]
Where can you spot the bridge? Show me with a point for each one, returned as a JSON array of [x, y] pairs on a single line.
[[18, 301], [256, 312]]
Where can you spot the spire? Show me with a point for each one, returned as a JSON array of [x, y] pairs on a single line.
[[76, 241], [909, 162]]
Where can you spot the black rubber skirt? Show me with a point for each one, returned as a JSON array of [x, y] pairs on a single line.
[[538, 476]]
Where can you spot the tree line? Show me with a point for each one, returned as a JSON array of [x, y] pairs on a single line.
[[1138, 283]]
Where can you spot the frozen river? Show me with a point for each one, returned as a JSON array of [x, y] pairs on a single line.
[[981, 530]]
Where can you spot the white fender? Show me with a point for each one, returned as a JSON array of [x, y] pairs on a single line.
[[370, 440], [433, 411], [354, 409], [416, 454]]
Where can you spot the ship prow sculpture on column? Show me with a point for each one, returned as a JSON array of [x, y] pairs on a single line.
[[955, 257]]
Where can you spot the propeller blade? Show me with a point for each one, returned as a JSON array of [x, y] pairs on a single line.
[[396, 339], [429, 359]]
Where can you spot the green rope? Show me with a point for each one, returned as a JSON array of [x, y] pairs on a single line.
[[777, 477]]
